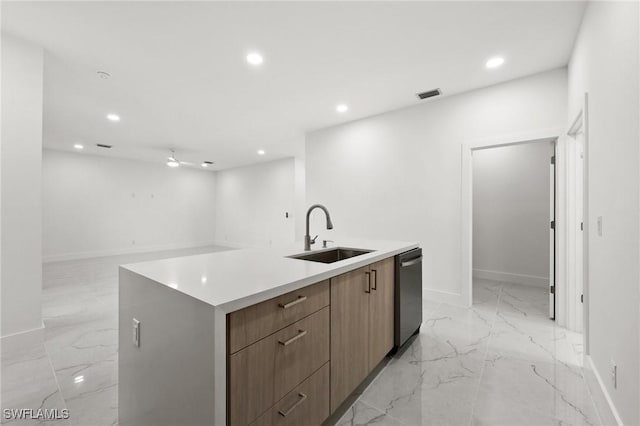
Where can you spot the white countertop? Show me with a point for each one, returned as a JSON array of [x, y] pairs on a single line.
[[234, 279]]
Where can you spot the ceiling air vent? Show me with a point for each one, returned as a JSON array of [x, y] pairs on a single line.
[[101, 145], [428, 94]]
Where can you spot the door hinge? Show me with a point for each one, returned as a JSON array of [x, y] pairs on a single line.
[[553, 224], [552, 289], [582, 226], [553, 160], [582, 298]]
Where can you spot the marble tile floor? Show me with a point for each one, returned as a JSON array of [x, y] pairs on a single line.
[[76, 366], [501, 362]]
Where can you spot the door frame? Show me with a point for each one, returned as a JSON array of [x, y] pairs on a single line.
[[580, 125], [466, 196], [553, 250]]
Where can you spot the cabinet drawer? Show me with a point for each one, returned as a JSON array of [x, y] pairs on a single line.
[[251, 324], [264, 372], [307, 404]]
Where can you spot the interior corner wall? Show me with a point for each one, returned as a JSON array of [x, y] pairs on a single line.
[[604, 64], [99, 206], [511, 203], [21, 216], [300, 200], [398, 175], [257, 205]]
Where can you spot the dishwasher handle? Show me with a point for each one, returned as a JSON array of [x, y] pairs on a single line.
[[411, 262]]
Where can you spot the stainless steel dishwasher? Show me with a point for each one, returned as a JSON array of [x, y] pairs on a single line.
[[408, 295]]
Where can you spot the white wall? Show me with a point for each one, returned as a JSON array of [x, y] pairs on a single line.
[[96, 206], [511, 202], [21, 247], [252, 203], [398, 175], [605, 64], [300, 201]]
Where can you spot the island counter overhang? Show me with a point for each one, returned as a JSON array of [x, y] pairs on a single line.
[[177, 374]]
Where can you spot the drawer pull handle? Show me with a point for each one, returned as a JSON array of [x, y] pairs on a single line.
[[301, 398], [301, 333], [300, 299]]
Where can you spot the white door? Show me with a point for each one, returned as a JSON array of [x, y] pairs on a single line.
[[552, 238]]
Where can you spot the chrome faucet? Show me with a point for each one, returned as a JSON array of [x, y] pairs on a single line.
[[307, 238]]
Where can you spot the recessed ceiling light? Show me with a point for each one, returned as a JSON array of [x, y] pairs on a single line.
[[494, 62], [255, 58], [78, 146], [104, 75], [342, 108], [207, 163], [261, 152], [113, 117]]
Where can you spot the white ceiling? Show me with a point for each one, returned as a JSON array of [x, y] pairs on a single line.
[[180, 78]]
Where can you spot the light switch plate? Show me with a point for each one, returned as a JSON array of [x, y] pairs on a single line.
[[614, 374], [136, 332], [600, 226]]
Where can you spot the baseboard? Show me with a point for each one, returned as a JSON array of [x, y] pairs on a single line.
[[511, 278], [22, 340], [121, 251], [604, 390], [444, 297], [230, 244], [241, 245]]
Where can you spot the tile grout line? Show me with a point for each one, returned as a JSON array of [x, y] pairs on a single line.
[[381, 412], [484, 360], [55, 375], [584, 380], [379, 409]]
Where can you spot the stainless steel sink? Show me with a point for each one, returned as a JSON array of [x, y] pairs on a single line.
[[332, 255]]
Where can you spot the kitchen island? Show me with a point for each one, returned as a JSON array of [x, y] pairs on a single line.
[[252, 336]]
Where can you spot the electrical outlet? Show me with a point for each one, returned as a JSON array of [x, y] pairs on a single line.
[[614, 374]]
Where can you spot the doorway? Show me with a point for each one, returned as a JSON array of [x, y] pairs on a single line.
[[513, 228]]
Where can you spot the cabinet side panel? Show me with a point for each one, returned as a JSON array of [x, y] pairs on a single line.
[[169, 378]]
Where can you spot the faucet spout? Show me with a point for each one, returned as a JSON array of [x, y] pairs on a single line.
[[307, 237]]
